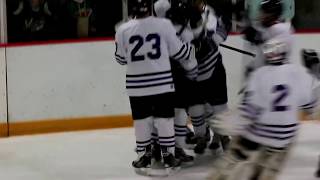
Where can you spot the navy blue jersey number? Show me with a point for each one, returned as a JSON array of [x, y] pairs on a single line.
[[139, 41], [282, 91]]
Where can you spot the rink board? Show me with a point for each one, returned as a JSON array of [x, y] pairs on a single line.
[[79, 86], [3, 93]]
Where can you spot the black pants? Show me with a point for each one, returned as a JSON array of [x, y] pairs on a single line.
[[160, 105], [212, 90]]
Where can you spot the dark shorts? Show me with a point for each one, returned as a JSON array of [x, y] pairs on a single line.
[[160, 106], [212, 90], [183, 87]]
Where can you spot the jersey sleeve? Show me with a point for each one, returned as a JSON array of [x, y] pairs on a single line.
[[119, 54], [312, 101], [249, 107], [184, 53]]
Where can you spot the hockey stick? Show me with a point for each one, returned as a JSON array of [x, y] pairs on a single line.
[[238, 50]]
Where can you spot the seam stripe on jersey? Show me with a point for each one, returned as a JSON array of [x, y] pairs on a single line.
[[278, 126], [185, 55], [211, 68], [180, 51], [149, 85], [212, 59], [309, 105], [202, 62], [118, 59], [212, 53], [148, 80], [121, 62], [253, 131], [210, 64], [118, 56], [147, 74], [254, 126], [189, 52]]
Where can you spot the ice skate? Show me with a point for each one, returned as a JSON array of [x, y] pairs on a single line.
[[143, 163], [201, 145], [183, 157]]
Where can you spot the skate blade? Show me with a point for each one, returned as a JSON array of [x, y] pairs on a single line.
[[142, 171], [157, 164], [187, 164], [165, 172]]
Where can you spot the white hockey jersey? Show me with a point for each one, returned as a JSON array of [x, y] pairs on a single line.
[[272, 101], [146, 45], [210, 35], [212, 32]]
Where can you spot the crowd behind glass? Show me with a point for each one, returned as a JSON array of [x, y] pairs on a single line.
[[41, 20]]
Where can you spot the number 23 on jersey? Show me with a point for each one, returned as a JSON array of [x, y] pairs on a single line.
[[139, 41]]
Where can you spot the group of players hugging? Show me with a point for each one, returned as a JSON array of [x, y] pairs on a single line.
[[175, 73]]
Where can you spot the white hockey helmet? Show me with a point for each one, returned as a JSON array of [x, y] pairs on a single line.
[[276, 51]]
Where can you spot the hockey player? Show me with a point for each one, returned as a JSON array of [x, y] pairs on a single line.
[[270, 25], [178, 12], [211, 88], [210, 92], [270, 107], [269, 114], [145, 45]]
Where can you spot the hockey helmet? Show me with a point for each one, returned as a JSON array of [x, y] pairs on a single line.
[[271, 11], [276, 51], [179, 12], [141, 7]]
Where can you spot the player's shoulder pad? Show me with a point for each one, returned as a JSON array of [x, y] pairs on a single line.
[[126, 25], [164, 22]]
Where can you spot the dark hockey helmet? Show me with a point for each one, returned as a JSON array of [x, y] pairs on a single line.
[[179, 12], [271, 11], [141, 8], [199, 4]]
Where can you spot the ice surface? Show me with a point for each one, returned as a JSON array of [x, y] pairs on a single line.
[[107, 154]]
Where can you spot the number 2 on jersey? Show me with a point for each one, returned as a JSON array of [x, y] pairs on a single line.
[[282, 91], [139, 42]]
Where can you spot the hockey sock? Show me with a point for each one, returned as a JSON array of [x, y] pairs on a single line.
[[165, 127], [180, 127], [143, 129], [197, 114], [154, 136]]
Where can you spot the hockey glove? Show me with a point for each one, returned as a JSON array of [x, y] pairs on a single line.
[[311, 61], [253, 36]]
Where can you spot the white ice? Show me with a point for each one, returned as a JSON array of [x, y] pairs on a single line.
[[107, 154]]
